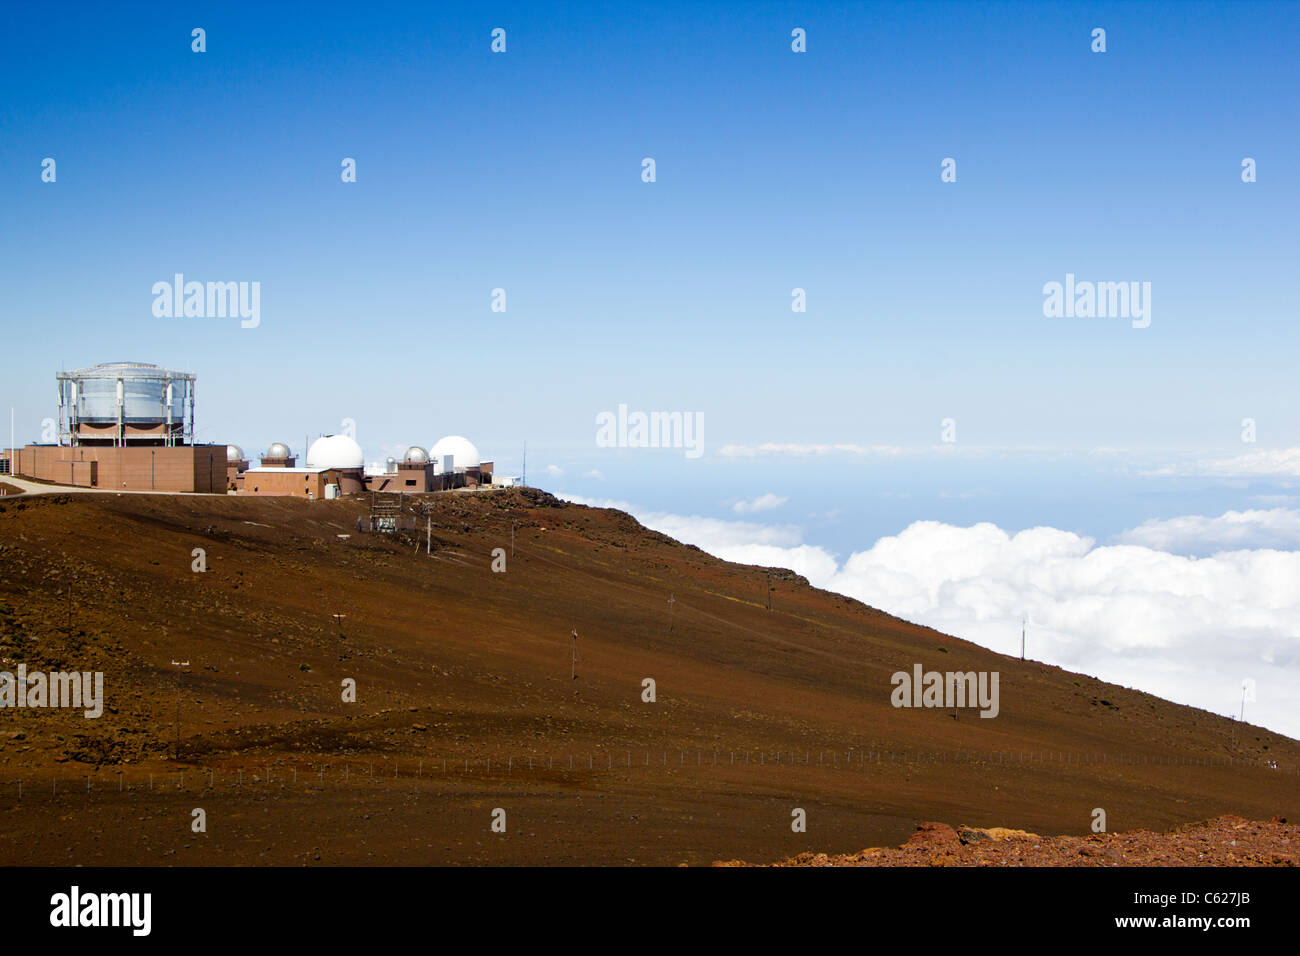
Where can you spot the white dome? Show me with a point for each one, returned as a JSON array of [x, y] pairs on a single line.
[[234, 453], [335, 451], [415, 455], [279, 449], [464, 454]]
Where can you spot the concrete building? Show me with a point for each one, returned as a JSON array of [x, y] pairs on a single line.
[[236, 465], [334, 467], [126, 426], [456, 463], [130, 426], [452, 463]]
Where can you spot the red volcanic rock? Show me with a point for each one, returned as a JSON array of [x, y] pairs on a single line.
[[1223, 841], [934, 835]]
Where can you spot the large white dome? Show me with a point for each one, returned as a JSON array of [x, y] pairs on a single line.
[[464, 454], [335, 451]]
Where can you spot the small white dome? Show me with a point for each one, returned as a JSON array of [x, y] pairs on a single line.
[[464, 454], [279, 449], [335, 451], [234, 453], [415, 455]]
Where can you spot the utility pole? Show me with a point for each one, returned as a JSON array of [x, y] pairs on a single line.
[[338, 619], [575, 655], [428, 533], [1023, 620], [179, 665], [671, 602], [525, 477]]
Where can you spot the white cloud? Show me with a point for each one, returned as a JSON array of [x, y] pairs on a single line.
[[555, 471], [595, 473], [1196, 534], [762, 503], [803, 450], [1189, 629], [1186, 628], [1272, 463]]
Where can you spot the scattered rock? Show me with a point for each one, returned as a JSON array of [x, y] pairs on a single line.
[[934, 834]]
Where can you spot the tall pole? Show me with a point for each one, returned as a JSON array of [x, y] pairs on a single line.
[[575, 655], [1243, 702], [179, 665], [428, 534], [1022, 637]]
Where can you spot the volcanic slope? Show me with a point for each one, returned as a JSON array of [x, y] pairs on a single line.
[[465, 702]]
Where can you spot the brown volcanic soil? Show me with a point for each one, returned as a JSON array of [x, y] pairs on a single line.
[[465, 702], [1224, 841]]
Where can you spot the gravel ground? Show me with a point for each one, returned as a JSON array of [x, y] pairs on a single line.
[[1223, 841]]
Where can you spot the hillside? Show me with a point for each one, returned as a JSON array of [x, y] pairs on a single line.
[[465, 701]]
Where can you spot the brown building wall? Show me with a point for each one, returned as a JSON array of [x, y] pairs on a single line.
[[411, 479], [419, 479], [349, 482], [301, 484], [182, 468]]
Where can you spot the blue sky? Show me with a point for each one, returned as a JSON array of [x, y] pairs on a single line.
[[775, 170]]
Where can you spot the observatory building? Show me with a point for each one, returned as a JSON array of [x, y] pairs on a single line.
[[129, 426], [236, 465], [456, 462], [453, 462], [126, 426], [335, 466], [413, 474], [122, 404]]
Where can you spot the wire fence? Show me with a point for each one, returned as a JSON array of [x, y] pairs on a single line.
[[333, 773]]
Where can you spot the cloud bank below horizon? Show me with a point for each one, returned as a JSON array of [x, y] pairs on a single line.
[[1140, 612]]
